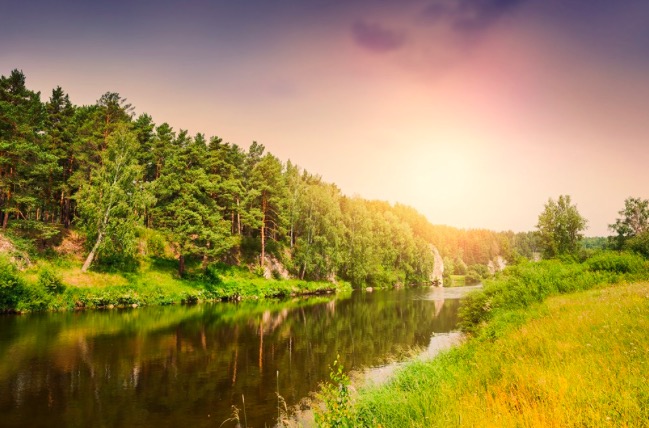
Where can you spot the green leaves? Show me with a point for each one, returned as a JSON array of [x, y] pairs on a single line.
[[111, 202], [634, 223], [559, 227], [101, 168], [185, 210]]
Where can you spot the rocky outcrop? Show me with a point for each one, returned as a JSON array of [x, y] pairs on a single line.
[[496, 265], [437, 276], [273, 268]]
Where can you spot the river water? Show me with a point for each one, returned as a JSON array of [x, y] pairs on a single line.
[[199, 365]]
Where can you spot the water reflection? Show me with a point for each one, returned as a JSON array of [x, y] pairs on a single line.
[[171, 366]]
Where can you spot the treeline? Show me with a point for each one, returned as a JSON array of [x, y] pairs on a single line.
[[121, 178], [464, 248]]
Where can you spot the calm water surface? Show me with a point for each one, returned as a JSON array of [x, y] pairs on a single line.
[[188, 365]]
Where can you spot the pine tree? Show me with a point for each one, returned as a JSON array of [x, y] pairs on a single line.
[[185, 211]]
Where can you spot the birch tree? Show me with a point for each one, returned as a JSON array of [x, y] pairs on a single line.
[[109, 202]]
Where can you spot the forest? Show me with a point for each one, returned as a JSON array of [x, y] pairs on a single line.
[[134, 188]]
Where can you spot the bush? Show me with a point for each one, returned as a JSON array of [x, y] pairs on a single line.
[[214, 271], [116, 263], [36, 298], [12, 287], [336, 397], [155, 245], [527, 283], [477, 273], [50, 281], [639, 244], [259, 271], [616, 262]]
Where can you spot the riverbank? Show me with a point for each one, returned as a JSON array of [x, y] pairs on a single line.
[[63, 286], [577, 359]]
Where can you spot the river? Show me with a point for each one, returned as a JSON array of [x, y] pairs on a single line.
[[198, 365]]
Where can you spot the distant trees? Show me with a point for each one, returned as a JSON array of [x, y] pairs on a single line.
[[559, 228], [633, 227]]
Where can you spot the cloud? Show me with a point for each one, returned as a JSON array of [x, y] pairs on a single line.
[[376, 38], [467, 15], [436, 11]]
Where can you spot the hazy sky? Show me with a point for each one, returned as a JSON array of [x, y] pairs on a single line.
[[475, 112]]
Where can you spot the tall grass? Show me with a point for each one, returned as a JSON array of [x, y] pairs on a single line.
[[579, 360], [527, 283]]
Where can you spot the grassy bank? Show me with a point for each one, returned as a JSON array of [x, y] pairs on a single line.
[[60, 285], [552, 344], [579, 360]]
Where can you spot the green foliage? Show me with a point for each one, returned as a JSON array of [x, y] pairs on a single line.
[[617, 263], [336, 398], [109, 203], [213, 272], [155, 245], [185, 210], [12, 287], [476, 273], [527, 283], [639, 243], [138, 189], [634, 220], [552, 364], [559, 228], [50, 281], [459, 267], [594, 243]]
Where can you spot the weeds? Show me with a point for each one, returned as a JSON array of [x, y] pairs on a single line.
[[336, 399]]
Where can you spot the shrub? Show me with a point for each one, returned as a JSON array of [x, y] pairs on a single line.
[[258, 271], [36, 298], [155, 245], [50, 281], [214, 271], [336, 397], [12, 287], [616, 262], [527, 283], [639, 244]]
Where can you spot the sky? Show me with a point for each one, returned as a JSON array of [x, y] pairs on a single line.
[[475, 112]]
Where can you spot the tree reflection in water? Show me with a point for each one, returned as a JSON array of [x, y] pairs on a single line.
[[179, 365]]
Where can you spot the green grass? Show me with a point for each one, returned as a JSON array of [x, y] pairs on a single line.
[[456, 281], [525, 284], [574, 360], [60, 285], [550, 344]]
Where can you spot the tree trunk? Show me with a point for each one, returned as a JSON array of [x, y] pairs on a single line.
[[66, 221], [263, 230], [205, 258], [238, 219], [181, 265], [5, 221], [93, 252]]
